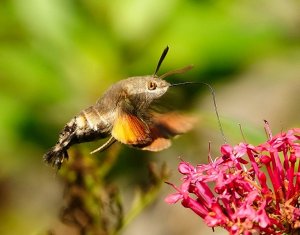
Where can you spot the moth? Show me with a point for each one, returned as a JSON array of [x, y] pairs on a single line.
[[123, 114]]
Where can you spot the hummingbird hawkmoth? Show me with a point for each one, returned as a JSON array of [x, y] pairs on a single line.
[[123, 114]]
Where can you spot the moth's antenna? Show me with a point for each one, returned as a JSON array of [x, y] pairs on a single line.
[[176, 71], [161, 59], [212, 91]]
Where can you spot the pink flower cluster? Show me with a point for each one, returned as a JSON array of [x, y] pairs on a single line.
[[249, 189]]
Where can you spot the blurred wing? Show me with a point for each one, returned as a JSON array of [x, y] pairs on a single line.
[[166, 126], [158, 144], [174, 123], [130, 129]]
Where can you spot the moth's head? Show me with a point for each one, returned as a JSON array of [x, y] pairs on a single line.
[[142, 90], [155, 87], [148, 85]]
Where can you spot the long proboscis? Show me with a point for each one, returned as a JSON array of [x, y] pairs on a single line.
[[212, 91]]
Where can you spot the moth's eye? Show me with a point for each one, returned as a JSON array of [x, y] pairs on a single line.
[[152, 86]]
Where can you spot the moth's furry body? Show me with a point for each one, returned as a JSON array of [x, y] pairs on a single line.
[[130, 95], [123, 114]]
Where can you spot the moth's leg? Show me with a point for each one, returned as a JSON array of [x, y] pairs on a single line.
[[105, 146]]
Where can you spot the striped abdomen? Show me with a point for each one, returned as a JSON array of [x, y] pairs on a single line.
[[90, 124]]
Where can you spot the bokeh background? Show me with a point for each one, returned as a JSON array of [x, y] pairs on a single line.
[[57, 57]]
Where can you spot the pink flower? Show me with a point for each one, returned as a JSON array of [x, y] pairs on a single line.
[[248, 189]]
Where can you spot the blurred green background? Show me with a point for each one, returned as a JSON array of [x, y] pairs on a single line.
[[57, 57]]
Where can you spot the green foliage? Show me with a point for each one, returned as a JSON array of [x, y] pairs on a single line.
[[57, 57]]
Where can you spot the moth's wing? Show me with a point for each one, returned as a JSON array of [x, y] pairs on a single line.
[[166, 126], [158, 144], [131, 129], [173, 123]]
